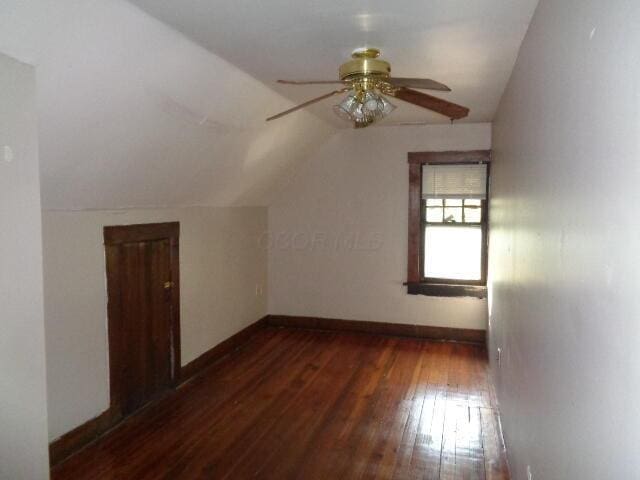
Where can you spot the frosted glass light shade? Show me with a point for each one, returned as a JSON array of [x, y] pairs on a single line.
[[387, 106], [345, 109], [370, 108], [371, 102]]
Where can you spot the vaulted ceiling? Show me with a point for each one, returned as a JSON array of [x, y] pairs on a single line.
[[133, 113], [470, 45]]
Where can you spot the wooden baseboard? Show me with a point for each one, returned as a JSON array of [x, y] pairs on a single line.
[[79, 437], [69, 443], [230, 344], [394, 329], [73, 441]]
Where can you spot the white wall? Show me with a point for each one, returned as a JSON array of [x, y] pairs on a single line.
[[565, 244], [23, 403], [221, 263], [338, 231], [133, 114]]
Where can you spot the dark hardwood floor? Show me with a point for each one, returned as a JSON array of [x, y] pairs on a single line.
[[314, 405]]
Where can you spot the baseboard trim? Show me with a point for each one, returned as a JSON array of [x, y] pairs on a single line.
[[380, 328], [216, 353], [63, 447], [71, 442]]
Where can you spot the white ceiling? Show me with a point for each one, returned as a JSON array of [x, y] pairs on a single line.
[[471, 45], [133, 114]]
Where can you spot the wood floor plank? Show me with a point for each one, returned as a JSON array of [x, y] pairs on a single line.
[[495, 462], [248, 420], [301, 404], [476, 450], [400, 397], [360, 438], [422, 396], [330, 446], [302, 414], [208, 426], [448, 452], [427, 440]]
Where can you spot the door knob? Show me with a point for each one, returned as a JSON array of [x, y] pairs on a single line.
[[168, 285]]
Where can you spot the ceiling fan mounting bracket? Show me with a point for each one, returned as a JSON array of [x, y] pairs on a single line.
[[365, 53], [365, 63]]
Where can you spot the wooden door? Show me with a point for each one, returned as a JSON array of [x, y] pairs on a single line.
[[143, 310]]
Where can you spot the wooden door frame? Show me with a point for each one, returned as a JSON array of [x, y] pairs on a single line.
[[117, 235]]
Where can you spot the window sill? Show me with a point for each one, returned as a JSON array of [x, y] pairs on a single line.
[[446, 290]]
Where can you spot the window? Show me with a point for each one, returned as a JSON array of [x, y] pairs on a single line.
[[448, 209]]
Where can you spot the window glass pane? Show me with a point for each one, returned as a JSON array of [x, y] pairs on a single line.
[[453, 202], [472, 214], [453, 252], [434, 214], [453, 215], [434, 202]]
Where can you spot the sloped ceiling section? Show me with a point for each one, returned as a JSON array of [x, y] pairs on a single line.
[[133, 114], [471, 45]]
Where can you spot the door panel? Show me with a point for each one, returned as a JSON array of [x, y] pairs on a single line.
[[160, 334], [141, 319], [146, 315]]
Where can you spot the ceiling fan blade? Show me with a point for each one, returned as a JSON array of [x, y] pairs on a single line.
[[438, 105], [424, 83], [310, 82], [307, 103]]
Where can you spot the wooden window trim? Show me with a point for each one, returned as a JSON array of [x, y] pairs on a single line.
[[416, 283]]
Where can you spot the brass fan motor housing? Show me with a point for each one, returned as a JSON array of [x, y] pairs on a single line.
[[365, 63]]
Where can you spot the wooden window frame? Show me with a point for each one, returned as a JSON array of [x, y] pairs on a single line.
[[416, 283]]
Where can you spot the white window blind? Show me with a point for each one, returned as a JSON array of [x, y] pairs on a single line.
[[454, 181]]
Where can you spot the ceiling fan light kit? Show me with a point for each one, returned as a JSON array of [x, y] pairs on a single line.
[[368, 79], [363, 108]]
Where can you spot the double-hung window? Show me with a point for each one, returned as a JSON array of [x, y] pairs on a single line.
[[448, 207]]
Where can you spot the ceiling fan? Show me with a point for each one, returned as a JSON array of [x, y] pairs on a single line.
[[367, 79]]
